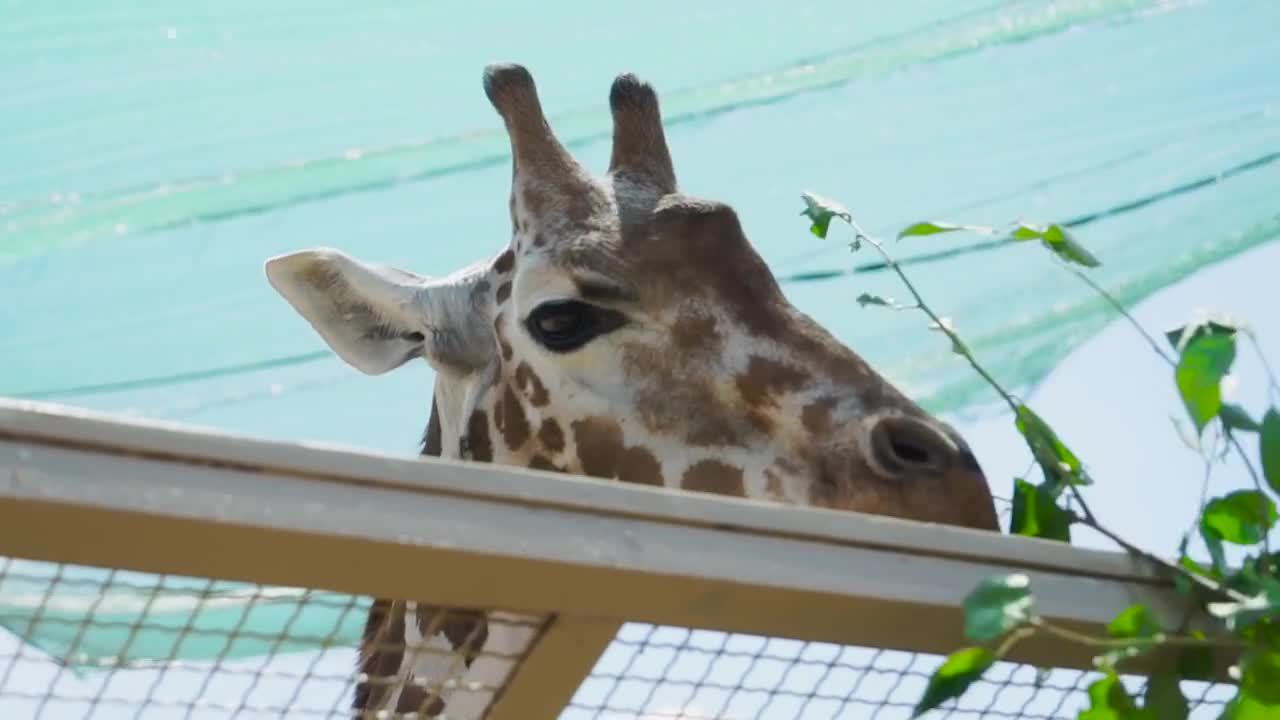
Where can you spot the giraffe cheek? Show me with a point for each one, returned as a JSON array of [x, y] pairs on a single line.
[[969, 500]]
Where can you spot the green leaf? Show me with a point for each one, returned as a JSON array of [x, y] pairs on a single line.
[[1037, 514], [1212, 324], [960, 670], [1234, 417], [931, 227], [1269, 447], [1245, 707], [821, 211], [1205, 360], [1109, 700], [997, 605], [1136, 621], [1181, 583], [1260, 676], [1164, 698], [1267, 634], [1028, 231], [1213, 542], [866, 299], [1054, 457], [1064, 244], [1254, 574], [1243, 517]]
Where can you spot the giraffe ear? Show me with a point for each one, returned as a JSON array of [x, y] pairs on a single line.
[[377, 318]]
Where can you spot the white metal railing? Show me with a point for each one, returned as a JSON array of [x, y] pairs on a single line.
[[578, 557]]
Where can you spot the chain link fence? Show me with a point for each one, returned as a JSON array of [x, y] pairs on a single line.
[[106, 644], [644, 607]]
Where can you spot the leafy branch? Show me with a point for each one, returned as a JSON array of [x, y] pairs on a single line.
[[999, 613]]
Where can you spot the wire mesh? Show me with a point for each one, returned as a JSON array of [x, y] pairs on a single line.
[[668, 673], [108, 645]]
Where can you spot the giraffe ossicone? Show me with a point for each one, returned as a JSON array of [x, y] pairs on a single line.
[[628, 331]]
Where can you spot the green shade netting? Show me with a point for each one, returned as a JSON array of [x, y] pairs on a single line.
[[154, 158]]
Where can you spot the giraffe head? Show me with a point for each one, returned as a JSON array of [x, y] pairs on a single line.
[[631, 331]]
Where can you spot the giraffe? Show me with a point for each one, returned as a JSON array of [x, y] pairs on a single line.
[[628, 331]]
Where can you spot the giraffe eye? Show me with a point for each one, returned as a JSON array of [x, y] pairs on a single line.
[[566, 325]]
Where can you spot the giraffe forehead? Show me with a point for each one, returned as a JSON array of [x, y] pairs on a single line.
[[537, 280], [593, 275]]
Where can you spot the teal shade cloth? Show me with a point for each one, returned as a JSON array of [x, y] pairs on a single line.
[[98, 618], [154, 156]]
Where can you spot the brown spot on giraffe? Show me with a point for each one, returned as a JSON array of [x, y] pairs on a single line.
[[599, 442], [381, 652], [551, 436], [764, 379], [542, 462], [761, 384], [816, 416], [478, 437], [420, 701], [713, 476], [505, 262], [512, 422], [531, 386], [694, 331], [466, 629], [640, 466]]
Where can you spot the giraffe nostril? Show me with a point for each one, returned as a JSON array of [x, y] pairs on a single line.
[[905, 446]]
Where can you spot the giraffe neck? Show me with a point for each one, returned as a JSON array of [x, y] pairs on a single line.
[[410, 650]]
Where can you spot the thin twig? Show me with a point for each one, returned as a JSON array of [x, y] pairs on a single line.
[[1121, 643], [1014, 638], [1235, 444], [951, 335], [1088, 519], [1115, 304], [1208, 470], [1088, 514], [1257, 482], [1161, 563], [1272, 384]]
